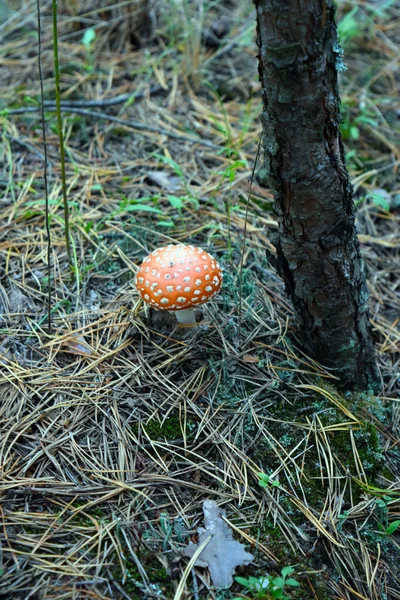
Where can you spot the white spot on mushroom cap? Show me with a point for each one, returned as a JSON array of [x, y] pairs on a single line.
[[198, 282], [208, 288], [198, 270], [164, 301], [186, 289], [147, 297], [197, 292], [170, 288], [181, 299]]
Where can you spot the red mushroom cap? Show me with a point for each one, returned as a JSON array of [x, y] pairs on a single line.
[[178, 277]]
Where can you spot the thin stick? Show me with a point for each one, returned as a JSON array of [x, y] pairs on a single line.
[[88, 103], [131, 124], [46, 190], [60, 131]]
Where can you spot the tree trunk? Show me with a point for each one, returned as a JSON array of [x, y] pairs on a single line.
[[318, 253]]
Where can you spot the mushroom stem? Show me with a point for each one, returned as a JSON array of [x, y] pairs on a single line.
[[186, 316]]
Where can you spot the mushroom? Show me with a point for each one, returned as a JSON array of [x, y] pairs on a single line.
[[178, 278]]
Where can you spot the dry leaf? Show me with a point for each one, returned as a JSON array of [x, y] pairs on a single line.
[[250, 358], [222, 554], [77, 345], [164, 180]]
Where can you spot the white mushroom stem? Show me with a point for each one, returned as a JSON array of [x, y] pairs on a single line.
[[186, 316]]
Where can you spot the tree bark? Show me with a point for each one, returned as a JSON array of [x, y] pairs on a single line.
[[318, 253]]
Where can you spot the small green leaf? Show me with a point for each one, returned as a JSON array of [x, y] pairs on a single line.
[[255, 582], [166, 223], [97, 187], [379, 200], [392, 527], [244, 582], [143, 207], [88, 37], [278, 582], [237, 164], [175, 201], [291, 582], [354, 132], [287, 571]]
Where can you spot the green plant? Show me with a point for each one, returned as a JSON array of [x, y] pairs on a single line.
[[377, 199], [88, 39], [185, 32], [350, 126], [382, 513], [268, 588], [230, 173], [266, 481], [349, 27]]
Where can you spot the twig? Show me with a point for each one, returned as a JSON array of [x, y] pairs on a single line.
[[86, 103], [136, 125], [195, 586]]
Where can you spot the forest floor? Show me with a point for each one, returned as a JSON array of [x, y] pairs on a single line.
[[116, 425]]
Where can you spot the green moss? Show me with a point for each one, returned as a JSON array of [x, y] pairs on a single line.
[[167, 429], [159, 579], [271, 536]]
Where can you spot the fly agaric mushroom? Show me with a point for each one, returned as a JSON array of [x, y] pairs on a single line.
[[178, 278]]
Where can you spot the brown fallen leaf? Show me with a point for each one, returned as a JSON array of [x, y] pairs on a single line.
[[165, 181], [77, 345], [223, 553], [250, 358]]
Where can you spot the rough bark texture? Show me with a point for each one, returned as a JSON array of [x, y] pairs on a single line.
[[317, 249]]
